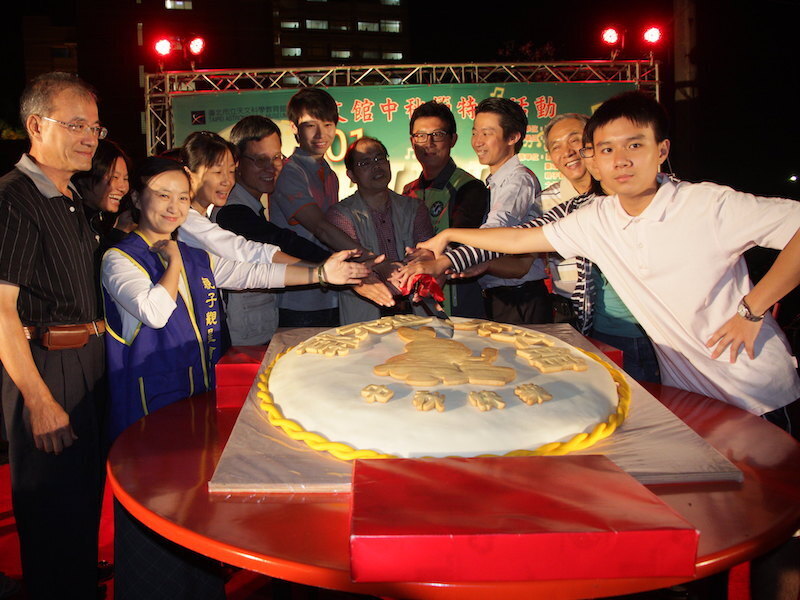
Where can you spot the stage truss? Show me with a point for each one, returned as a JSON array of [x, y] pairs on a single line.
[[160, 88]]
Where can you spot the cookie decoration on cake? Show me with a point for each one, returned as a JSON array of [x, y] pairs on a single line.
[[377, 393], [322, 400], [425, 400], [531, 394], [430, 361], [486, 400], [552, 360]]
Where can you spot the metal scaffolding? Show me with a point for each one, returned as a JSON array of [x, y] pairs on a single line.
[[161, 87]]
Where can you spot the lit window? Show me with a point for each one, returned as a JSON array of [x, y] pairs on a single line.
[[316, 24], [368, 26], [178, 4], [292, 51], [390, 26], [370, 54], [340, 26], [393, 56], [290, 24], [391, 2], [341, 53]]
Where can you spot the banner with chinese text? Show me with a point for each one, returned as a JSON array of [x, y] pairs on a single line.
[[383, 112]]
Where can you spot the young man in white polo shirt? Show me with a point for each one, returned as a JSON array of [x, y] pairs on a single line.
[[673, 252]]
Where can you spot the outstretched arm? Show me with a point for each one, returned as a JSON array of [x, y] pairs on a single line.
[[508, 240], [243, 221], [510, 266], [312, 218], [783, 277]]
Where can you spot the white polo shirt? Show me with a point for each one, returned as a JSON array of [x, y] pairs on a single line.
[[679, 269]]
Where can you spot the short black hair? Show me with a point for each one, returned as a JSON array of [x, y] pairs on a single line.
[[105, 156], [146, 170], [512, 118], [434, 109], [314, 101], [638, 107], [349, 160], [205, 149], [252, 129], [152, 166]]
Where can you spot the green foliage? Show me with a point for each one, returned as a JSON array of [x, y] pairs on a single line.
[[7, 132]]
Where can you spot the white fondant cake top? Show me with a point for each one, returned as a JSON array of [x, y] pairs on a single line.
[[323, 394]]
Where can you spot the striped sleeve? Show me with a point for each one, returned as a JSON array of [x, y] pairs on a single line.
[[464, 257], [19, 243]]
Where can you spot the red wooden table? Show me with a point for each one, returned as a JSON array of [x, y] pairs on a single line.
[[160, 467]]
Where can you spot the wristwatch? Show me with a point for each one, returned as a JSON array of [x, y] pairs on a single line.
[[744, 311]]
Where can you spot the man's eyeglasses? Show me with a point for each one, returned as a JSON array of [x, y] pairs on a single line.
[[586, 152], [78, 128], [421, 137], [378, 158], [262, 162]]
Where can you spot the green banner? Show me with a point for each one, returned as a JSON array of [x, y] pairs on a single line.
[[383, 112]]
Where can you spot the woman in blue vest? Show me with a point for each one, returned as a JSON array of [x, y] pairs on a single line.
[[162, 316], [163, 309]]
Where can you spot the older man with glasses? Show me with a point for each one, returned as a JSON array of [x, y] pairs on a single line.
[[51, 345], [378, 219]]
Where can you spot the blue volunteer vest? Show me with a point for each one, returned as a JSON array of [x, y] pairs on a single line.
[[159, 366]]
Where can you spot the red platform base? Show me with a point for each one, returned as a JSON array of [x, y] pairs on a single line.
[[235, 373], [511, 519]]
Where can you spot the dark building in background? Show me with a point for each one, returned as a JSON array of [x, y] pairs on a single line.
[[48, 45], [110, 44], [736, 122], [115, 56], [319, 32], [37, 37]]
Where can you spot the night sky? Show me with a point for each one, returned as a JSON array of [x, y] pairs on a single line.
[[742, 131]]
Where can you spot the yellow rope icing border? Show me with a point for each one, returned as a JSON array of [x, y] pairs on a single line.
[[343, 451]]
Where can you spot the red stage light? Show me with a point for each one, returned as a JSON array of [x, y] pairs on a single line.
[[197, 45], [163, 47], [652, 35], [610, 36]]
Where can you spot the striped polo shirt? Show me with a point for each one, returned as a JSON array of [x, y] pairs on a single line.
[[46, 248]]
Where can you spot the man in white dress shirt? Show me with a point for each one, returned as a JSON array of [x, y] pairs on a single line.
[[513, 287]]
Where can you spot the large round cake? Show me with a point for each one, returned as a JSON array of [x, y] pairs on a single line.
[[314, 393]]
